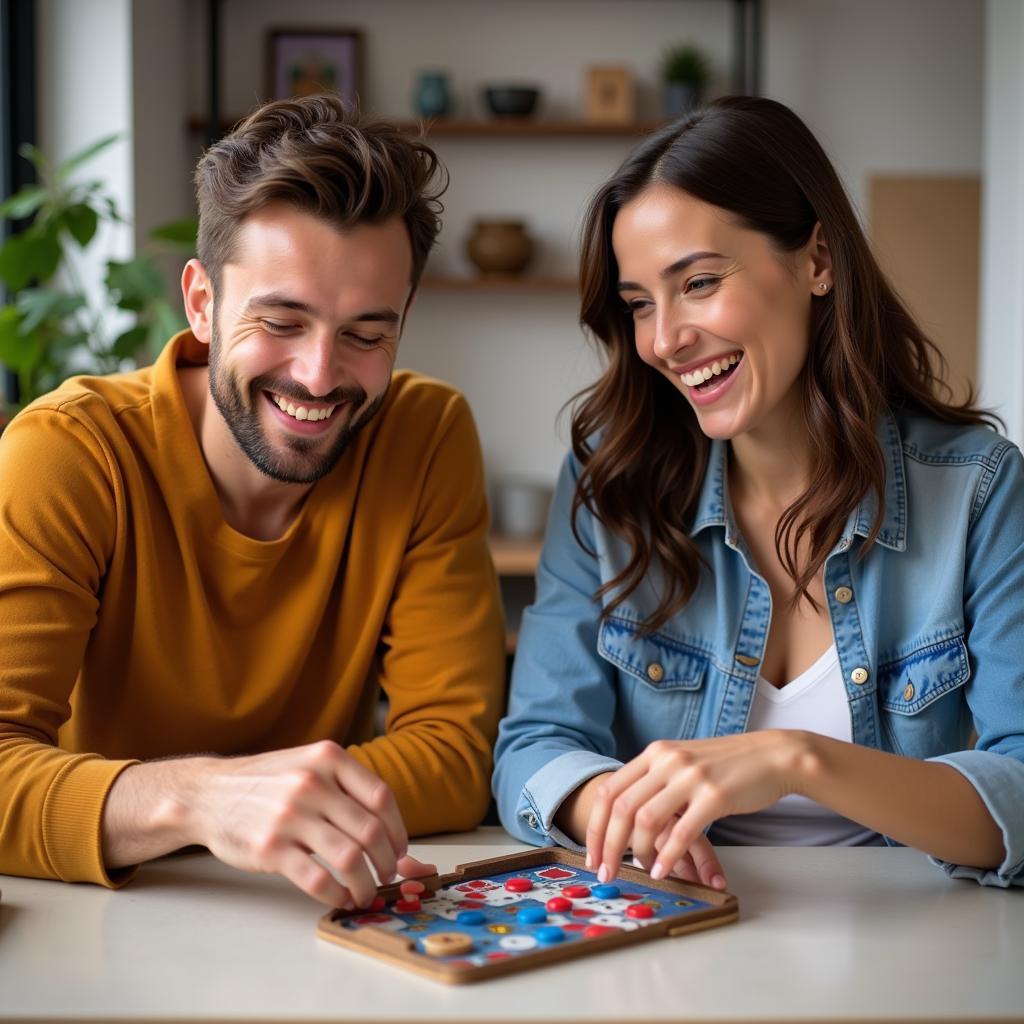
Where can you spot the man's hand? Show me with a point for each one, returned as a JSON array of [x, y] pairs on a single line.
[[296, 812], [661, 801]]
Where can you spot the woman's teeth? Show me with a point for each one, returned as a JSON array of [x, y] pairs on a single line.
[[301, 412], [719, 366]]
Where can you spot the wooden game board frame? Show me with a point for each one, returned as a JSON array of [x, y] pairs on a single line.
[[400, 950]]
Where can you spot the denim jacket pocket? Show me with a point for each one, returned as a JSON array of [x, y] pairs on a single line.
[[661, 679], [916, 720]]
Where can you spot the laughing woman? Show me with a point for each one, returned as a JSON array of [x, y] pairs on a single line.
[[783, 573]]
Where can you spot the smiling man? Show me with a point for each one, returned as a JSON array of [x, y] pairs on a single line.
[[211, 567]]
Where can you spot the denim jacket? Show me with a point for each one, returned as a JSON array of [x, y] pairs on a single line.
[[928, 625]]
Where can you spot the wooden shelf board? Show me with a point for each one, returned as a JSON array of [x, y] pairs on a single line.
[[526, 127], [514, 556], [497, 128], [498, 283]]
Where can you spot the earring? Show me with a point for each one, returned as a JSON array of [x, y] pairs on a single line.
[[822, 287]]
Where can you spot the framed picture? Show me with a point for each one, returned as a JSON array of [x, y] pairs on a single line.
[[610, 96], [303, 61]]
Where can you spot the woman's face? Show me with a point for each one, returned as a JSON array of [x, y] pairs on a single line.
[[716, 308]]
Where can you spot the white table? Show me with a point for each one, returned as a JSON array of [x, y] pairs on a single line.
[[839, 934]]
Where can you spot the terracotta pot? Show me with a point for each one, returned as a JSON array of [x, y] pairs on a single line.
[[499, 246]]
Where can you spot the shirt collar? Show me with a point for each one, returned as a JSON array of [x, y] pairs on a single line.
[[713, 504]]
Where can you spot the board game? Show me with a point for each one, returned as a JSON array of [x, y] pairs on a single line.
[[505, 914]]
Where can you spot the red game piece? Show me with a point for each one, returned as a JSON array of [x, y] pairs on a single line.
[[519, 885], [378, 904], [558, 904], [584, 912], [576, 892], [640, 911], [631, 896], [498, 955], [412, 905], [574, 926], [470, 905], [410, 887], [595, 931]]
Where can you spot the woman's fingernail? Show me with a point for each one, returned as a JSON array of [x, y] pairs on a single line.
[[718, 882], [589, 862], [658, 871], [603, 873]]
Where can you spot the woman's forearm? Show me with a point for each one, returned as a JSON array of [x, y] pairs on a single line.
[[923, 804]]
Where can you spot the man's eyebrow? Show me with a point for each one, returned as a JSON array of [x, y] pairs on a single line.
[[282, 301], [673, 268]]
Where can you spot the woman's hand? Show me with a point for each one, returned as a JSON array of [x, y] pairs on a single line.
[[661, 801]]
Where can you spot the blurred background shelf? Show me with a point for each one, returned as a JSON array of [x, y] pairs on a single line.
[[515, 556], [498, 283]]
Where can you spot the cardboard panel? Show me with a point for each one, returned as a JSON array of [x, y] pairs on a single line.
[[926, 234]]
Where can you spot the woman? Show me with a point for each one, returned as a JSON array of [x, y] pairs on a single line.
[[783, 570]]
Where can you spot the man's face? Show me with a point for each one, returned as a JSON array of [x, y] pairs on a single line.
[[306, 323]]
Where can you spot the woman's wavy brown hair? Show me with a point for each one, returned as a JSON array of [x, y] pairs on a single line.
[[642, 453]]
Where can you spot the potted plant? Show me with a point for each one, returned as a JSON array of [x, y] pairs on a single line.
[[51, 327], [684, 73]]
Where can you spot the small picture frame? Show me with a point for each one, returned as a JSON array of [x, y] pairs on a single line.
[[305, 61], [610, 95]]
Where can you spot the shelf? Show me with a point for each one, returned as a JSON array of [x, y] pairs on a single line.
[[515, 556], [498, 128], [499, 283], [526, 127]]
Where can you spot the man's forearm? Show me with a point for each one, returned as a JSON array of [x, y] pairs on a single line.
[[147, 813]]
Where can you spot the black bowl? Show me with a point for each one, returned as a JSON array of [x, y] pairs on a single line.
[[511, 100]]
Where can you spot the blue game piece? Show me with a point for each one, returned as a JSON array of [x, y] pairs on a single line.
[[532, 915], [470, 917], [606, 892], [549, 934]]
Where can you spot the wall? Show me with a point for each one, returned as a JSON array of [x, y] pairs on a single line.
[[889, 86], [84, 79], [1002, 258]]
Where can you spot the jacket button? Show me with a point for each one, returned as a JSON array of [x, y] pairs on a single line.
[[908, 692], [859, 676], [531, 819], [746, 659], [844, 595], [655, 672]]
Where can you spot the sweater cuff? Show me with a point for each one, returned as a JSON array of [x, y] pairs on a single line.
[[72, 821]]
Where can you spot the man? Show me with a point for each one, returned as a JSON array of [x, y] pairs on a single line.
[[208, 567]]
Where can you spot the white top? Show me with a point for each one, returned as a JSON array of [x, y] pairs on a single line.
[[816, 702]]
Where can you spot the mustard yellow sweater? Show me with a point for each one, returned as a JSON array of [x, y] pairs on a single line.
[[135, 623]]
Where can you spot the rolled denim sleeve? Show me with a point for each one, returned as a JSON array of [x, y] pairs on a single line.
[[994, 617], [558, 731]]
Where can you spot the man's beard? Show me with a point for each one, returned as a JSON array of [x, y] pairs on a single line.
[[299, 461]]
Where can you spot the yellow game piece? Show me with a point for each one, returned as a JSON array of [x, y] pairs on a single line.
[[447, 944]]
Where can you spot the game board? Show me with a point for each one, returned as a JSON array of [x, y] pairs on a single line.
[[505, 914]]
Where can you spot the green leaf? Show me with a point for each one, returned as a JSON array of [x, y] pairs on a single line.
[[112, 213], [85, 155], [35, 157], [24, 202], [38, 304], [127, 344], [135, 283], [165, 322], [19, 352], [81, 220], [178, 232], [43, 253], [14, 262]]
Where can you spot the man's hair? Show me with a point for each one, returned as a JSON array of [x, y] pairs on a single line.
[[325, 159]]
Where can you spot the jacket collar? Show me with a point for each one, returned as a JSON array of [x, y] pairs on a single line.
[[713, 507]]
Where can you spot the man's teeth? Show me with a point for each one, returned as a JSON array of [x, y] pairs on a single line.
[[691, 380], [300, 412]]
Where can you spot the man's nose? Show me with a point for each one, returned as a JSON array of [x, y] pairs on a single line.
[[314, 365]]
